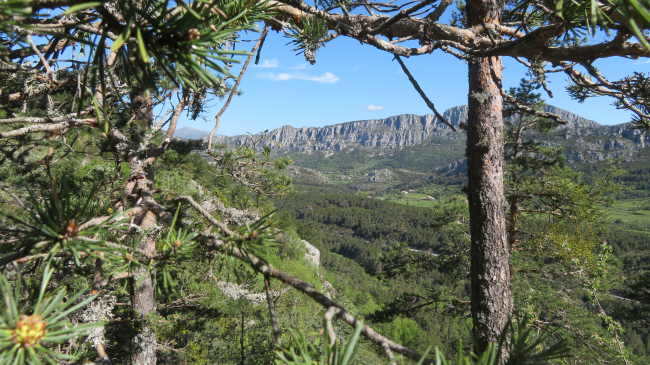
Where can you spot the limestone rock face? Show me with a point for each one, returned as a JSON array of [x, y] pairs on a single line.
[[397, 131], [586, 140], [573, 120], [306, 174], [312, 254], [383, 175], [456, 167]]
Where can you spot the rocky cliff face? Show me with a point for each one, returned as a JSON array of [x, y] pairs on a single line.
[[397, 131], [593, 144], [584, 140], [573, 121]]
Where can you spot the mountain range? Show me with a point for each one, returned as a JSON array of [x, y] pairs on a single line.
[[393, 132], [415, 144]]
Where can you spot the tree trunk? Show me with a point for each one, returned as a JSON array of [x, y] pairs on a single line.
[[143, 300], [144, 343], [490, 269], [241, 340]]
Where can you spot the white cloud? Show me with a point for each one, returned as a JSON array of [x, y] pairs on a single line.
[[275, 77], [328, 78], [274, 63], [374, 107], [269, 63]]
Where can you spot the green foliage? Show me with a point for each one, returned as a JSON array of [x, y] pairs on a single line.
[[639, 290], [401, 330], [253, 168], [637, 95], [332, 353], [30, 326], [559, 235], [310, 37], [580, 17], [541, 188], [176, 246], [60, 222], [517, 341]]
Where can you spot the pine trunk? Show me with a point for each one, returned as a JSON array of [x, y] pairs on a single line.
[[143, 300], [490, 269]]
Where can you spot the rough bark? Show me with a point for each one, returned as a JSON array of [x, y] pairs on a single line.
[[144, 352], [490, 270], [143, 300]]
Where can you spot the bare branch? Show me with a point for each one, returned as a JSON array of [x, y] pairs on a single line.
[[46, 128], [24, 252], [309, 290], [401, 15], [11, 194], [271, 304], [234, 88], [222, 226], [423, 95], [5, 99], [43, 60], [34, 120], [509, 99], [331, 311], [103, 219], [53, 46], [306, 288], [435, 15]]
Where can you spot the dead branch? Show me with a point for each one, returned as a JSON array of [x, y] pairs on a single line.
[[423, 95], [234, 88], [271, 304]]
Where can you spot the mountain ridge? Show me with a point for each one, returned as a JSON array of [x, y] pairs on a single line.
[[424, 144], [392, 132]]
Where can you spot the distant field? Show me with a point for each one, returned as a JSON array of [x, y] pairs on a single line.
[[632, 211], [415, 199], [627, 212]]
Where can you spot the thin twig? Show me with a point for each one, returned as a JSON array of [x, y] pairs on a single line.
[[274, 319], [423, 95], [11, 194], [222, 226], [40, 56], [234, 88]]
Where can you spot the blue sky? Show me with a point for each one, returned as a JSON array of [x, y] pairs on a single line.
[[351, 82]]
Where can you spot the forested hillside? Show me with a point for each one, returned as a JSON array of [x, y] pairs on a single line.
[[356, 234]]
